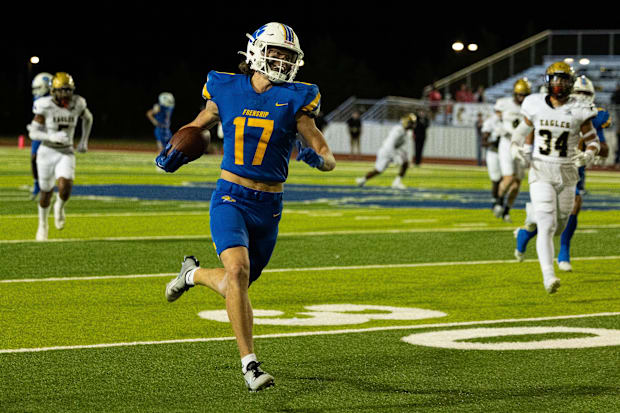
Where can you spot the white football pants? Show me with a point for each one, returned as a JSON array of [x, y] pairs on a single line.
[[552, 206], [53, 164]]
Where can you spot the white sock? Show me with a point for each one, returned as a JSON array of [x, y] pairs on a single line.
[[397, 179], [59, 202], [247, 360], [43, 215], [189, 277]]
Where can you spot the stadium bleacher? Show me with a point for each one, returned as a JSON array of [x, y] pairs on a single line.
[[603, 71]]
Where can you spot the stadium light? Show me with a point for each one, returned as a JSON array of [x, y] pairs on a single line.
[[472, 47], [34, 60], [457, 46], [584, 61]]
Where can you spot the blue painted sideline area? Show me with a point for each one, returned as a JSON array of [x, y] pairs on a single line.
[[337, 195]]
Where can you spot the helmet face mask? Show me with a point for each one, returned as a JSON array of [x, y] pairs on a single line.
[[62, 87], [584, 89], [559, 84], [273, 50], [41, 84], [280, 60], [166, 99], [559, 80]]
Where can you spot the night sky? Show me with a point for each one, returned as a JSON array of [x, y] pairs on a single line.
[[122, 57]]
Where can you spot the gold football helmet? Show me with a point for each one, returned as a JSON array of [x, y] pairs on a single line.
[[409, 120], [559, 79], [62, 88], [522, 87]]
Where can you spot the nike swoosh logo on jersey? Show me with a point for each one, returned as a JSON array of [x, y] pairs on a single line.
[[281, 104], [276, 215]]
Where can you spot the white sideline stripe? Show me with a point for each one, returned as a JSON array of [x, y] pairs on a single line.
[[299, 234], [306, 333], [115, 214], [306, 269]]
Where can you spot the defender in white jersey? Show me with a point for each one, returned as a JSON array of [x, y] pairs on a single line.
[[509, 111], [55, 119], [492, 130], [553, 125], [392, 151]]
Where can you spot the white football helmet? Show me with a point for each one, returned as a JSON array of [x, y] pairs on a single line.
[[166, 99], [274, 35], [584, 89], [41, 84]]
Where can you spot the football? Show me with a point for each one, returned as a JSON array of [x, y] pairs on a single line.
[[191, 141]]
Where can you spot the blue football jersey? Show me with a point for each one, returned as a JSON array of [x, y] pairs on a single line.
[[600, 122], [163, 116], [259, 128]]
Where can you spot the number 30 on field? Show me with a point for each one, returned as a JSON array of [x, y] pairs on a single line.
[[458, 339]]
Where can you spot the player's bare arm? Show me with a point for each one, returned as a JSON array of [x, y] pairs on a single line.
[[207, 118], [150, 114], [315, 140], [87, 124], [485, 139]]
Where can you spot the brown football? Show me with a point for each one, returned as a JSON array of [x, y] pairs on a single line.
[[191, 141]]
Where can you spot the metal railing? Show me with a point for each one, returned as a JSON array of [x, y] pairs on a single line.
[[527, 53], [489, 71]]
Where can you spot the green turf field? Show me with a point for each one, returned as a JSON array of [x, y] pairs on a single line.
[[343, 313]]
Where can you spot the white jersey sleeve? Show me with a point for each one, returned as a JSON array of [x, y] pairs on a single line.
[[487, 125], [395, 139], [511, 115], [529, 105], [41, 105], [493, 125]]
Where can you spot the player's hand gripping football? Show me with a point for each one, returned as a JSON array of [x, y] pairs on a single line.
[[172, 161], [309, 156]]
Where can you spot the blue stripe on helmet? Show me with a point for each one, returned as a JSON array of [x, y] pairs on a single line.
[[259, 31], [289, 33]]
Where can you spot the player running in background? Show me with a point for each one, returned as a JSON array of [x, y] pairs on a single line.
[[392, 151], [160, 115], [552, 128], [40, 88], [582, 89], [492, 130], [261, 112], [509, 111], [54, 123]]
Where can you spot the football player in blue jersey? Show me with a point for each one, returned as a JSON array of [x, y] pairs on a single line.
[[261, 112], [40, 88], [160, 115], [582, 89]]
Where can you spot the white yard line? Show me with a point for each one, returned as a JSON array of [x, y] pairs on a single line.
[[301, 234], [305, 269], [307, 333]]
